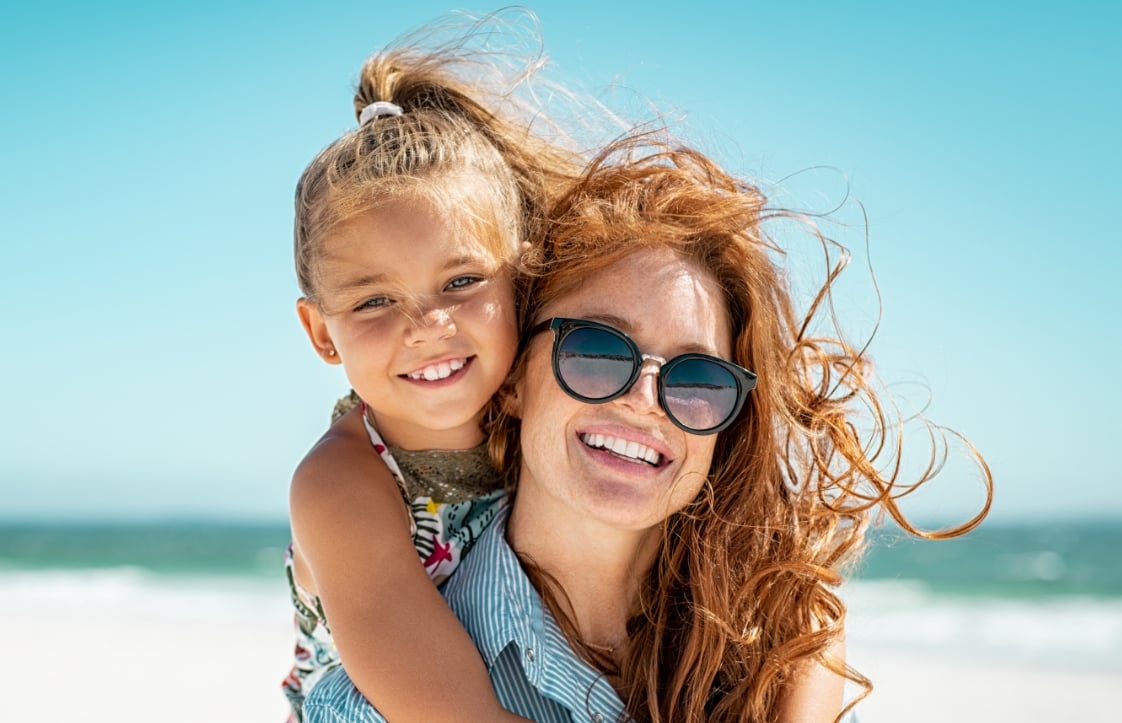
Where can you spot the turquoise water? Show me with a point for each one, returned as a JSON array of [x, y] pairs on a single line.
[[1005, 561], [1048, 596], [175, 548]]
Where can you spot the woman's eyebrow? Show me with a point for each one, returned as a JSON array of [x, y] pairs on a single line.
[[625, 326], [611, 320]]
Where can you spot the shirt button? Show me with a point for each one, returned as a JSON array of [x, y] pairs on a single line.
[[530, 657], [597, 718]]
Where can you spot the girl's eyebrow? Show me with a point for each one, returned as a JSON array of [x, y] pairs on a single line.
[[365, 280], [465, 260]]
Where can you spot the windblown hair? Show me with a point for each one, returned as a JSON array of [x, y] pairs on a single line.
[[463, 143], [741, 597]]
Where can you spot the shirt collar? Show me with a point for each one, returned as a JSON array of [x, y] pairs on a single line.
[[498, 605]]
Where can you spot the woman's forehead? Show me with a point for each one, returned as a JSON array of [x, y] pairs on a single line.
[[653, 294]]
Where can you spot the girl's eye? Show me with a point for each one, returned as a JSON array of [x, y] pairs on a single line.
[[378, 302], [463, 282]]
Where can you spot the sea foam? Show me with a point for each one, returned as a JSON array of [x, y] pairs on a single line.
[[1063, 633]]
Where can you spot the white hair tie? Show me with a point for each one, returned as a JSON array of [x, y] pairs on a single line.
[[378, 108]]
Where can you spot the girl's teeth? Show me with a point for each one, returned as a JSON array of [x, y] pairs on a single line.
[[443, 370], [622, 448]]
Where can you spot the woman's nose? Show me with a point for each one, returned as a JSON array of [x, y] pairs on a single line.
[[643, 394]]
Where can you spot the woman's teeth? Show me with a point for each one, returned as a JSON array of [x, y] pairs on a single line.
[[443, 370], [622, 448]]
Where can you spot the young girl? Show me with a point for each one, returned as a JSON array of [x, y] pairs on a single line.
[[407, 230]]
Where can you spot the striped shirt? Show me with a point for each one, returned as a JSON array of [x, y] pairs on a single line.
[[535, 672]]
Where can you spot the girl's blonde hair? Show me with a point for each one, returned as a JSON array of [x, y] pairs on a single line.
[[741, 597], [463, 142]]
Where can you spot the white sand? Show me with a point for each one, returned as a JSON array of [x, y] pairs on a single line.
[[952, 688], [64, 664], [73, 667]]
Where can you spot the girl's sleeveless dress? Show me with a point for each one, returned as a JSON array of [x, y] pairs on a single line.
[[452, 494]]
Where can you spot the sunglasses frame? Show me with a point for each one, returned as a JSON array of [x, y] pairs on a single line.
[[562, 326]]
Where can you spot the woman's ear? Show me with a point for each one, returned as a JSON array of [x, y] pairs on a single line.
[[315, 326]]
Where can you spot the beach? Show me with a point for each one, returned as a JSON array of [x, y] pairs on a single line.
[[136, 655], [186, 653], [156, 623], [913, 688]]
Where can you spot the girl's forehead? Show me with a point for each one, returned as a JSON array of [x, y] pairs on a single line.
[[475, 226]]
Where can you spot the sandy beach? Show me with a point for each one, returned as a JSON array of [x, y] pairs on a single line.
[[953, 688], [191, 655]]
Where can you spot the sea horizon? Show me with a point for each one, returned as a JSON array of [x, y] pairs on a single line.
[[1006, 558]]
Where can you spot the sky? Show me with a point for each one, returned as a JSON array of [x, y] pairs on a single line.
[[152, 363]]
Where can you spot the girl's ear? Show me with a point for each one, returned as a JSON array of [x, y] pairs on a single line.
[[311, 318]]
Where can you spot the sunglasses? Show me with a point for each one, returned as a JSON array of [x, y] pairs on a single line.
[[597, 363]]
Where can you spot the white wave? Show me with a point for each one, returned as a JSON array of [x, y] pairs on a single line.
[[135, 592], [1078, 633], [1074, 633]]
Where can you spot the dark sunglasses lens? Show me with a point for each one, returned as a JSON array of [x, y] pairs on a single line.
[[594, 363], [699, 393]]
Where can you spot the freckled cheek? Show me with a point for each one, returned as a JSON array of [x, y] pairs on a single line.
[[368, 344], [489, 310], [699, 458], [377, 331], [492, 317], [685, 489], [545, 400], [544, 415]]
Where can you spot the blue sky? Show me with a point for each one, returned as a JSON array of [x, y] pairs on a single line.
[[152, 363]]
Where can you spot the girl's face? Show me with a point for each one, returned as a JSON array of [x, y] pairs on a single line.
[[422, 319], [575, 463]]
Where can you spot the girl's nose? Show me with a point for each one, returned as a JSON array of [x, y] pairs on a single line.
[[430, 325]]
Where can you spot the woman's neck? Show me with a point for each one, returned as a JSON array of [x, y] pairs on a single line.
[[598, 567]]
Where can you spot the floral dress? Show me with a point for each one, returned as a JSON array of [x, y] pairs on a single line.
[[452, 495]]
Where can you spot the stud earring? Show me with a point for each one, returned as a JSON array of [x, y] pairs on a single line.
[[330, 352]]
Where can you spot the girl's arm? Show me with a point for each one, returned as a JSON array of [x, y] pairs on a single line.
[[399, 642], [818, 693]]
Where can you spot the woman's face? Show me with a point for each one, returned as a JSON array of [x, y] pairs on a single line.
[[668, 306]]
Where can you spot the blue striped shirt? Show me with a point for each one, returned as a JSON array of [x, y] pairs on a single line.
[[535, 672]]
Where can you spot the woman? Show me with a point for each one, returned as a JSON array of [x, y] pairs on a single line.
[[688, 477]]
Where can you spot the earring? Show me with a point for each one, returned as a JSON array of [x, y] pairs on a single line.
[[331, 352]]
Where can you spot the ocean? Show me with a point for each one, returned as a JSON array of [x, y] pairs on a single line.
[[1038, 596], [1047, 596]]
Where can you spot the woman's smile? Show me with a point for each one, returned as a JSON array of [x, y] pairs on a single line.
[[625, 444]]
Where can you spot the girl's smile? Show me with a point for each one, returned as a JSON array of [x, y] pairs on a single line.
[[440, 371], [421, 315]]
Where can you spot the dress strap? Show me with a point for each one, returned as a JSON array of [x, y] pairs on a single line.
[[383, 450]]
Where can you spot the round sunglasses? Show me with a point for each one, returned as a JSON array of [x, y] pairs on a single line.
[[597, 363]]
